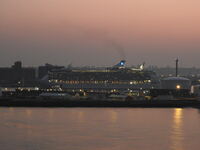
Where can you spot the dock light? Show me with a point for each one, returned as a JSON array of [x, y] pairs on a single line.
[[178, 86]]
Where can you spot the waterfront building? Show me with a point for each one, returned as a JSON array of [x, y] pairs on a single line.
[[16, 75], [178, 83]]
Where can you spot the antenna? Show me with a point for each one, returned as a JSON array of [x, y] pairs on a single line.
[[177, 67]]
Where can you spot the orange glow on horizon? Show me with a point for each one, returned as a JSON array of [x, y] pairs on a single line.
[[144, 28]]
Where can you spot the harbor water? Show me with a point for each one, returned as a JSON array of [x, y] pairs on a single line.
[[99, 128]]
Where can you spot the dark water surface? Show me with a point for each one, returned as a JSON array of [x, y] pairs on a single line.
[[99, 129]]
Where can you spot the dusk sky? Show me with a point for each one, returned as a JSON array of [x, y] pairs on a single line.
[[100, 32]]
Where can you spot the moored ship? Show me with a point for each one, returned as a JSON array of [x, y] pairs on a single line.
[[114, 79]]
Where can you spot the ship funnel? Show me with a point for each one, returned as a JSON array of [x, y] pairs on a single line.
[[121, 64]]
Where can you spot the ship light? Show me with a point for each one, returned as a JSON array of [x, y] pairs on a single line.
[[37, 88]]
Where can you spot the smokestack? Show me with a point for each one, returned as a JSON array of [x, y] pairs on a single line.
[[177, 67]]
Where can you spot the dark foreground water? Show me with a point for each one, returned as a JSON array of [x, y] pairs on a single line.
[[99, 129]]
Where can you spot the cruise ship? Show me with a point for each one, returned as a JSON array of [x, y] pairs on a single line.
[[114, 79]]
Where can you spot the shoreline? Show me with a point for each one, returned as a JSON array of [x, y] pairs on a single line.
[[32, 102]]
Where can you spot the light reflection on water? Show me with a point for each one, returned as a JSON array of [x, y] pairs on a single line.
[[177, 135], [113, 116], [99, 128]]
